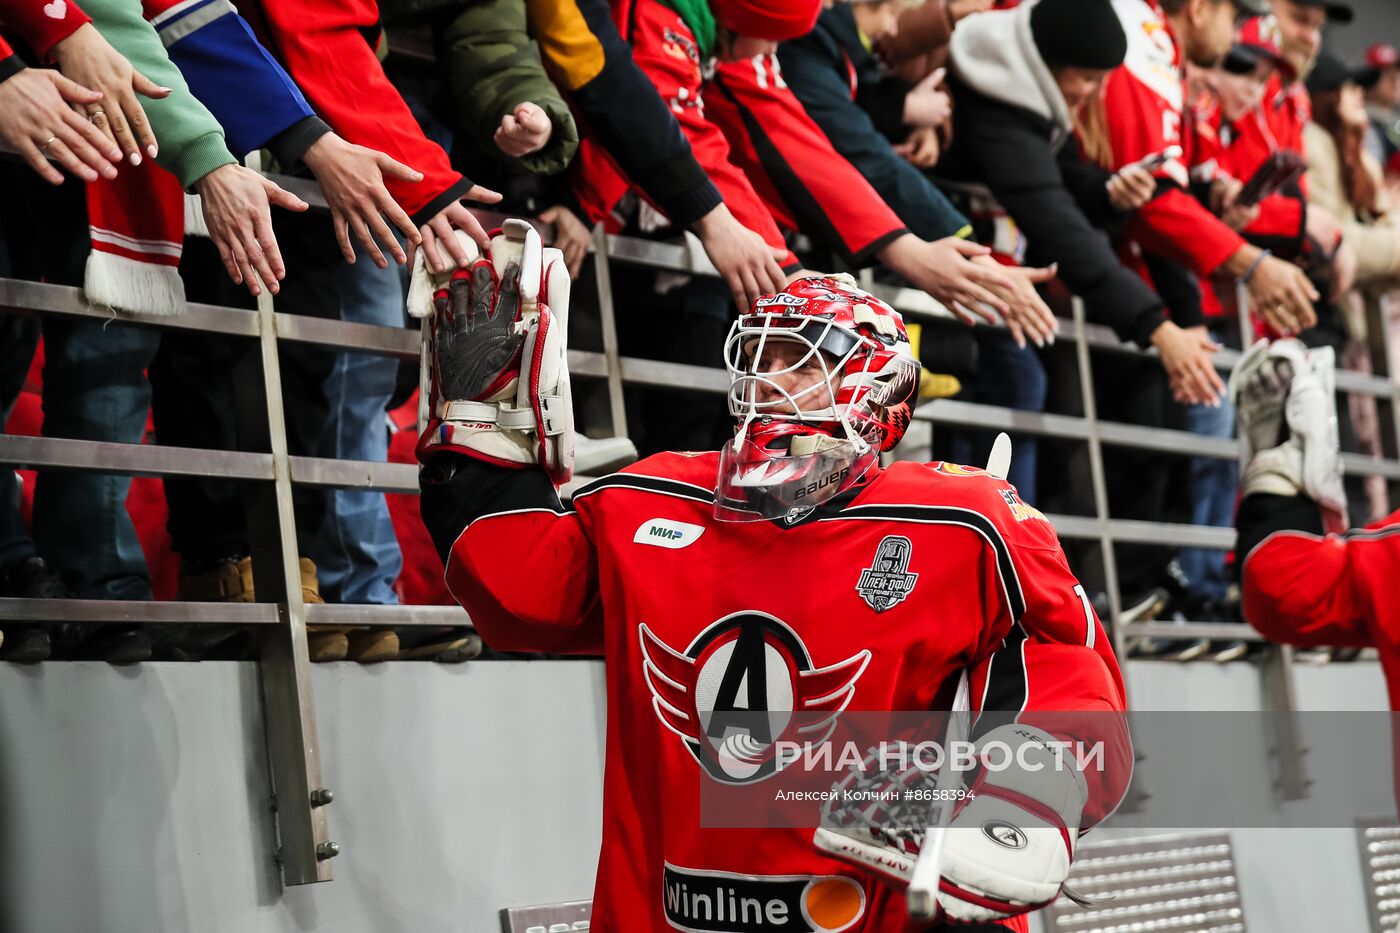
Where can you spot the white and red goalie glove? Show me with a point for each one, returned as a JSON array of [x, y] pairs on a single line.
[[1285, 398], [1009, 846], [495, 376]]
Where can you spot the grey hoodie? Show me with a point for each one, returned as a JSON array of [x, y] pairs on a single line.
[[995, 54]]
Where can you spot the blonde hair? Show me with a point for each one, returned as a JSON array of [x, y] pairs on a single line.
[[1091, 126]]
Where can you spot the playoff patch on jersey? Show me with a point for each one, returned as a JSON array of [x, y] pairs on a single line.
[[723, 902], [745, 683], [887, 581]]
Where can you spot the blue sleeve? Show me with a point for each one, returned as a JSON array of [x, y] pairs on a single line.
[[230, 72], [826, 96]]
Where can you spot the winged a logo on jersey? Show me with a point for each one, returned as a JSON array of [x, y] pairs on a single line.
[[887, 580], [744, 684]]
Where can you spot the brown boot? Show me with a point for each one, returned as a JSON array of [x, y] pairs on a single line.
[[327, 643], [229, 581], [370, 646], [323, 642], [310, 582]]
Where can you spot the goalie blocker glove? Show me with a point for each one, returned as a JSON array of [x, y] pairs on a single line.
[[495, 378], [1009, 846]]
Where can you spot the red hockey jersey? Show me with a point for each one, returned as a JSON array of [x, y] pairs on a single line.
[[687, 610]]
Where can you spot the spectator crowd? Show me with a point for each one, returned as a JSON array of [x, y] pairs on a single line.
[[1160, 159]]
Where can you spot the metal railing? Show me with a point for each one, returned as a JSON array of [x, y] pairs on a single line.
[[304, 847]]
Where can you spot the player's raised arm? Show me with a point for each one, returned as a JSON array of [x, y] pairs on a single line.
[[1047, 687], [1046, 657], [499, 435]]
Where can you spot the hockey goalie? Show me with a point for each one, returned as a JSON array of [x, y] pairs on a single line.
[[787, 570]]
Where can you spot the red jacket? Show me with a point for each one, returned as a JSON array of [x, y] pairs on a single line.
[[745, 116], [805, 181], [328, 47], [41, 24], [1237, 150], [665, 50], [1277, 124], [1144, 98]]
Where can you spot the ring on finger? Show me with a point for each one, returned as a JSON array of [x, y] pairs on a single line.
[[95, 114], [47, 143]]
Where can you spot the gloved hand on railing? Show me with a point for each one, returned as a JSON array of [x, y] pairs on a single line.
[[495, 376]]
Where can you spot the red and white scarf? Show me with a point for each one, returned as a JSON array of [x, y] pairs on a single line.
[[137, 223]]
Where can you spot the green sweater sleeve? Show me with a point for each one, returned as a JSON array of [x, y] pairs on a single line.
[[190, 140], [493, 67]]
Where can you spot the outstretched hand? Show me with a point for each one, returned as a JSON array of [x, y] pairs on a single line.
[[86, 57], [236, 202], [440, 246], [352, 178]]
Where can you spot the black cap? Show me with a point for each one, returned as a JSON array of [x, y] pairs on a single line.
[[1331, 72], [1078, 33], [1336, 12], [1241, 59]]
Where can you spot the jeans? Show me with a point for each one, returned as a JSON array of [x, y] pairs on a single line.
[[1011, 377], [95, 389], [355, 548], [1213, 484], [1134, 390]]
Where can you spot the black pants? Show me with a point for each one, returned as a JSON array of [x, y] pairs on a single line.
[[195, 395], [1133, 390], [697, 318]]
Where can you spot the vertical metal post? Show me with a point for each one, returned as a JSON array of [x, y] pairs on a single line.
[[1136, 794], [1096, 471], [1382, 335], [1281, 702], [1276, 671], [609, 322], [289, 710]]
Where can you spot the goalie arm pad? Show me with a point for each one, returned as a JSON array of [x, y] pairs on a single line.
[[523, 567]]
